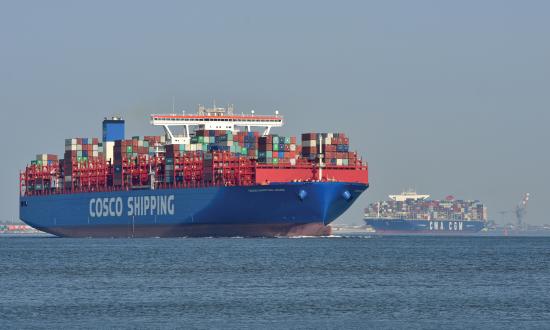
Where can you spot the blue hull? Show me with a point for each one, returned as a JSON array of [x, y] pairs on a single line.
[[407, 226], [279, 209]]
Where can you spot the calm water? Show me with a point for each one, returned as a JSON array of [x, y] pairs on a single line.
[[481, 282]]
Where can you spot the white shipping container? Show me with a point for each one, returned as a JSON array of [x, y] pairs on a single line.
[[339, 162], [292, 147], [309, 143], [292, 161]]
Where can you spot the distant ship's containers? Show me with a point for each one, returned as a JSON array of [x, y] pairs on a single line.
[[428, 210]]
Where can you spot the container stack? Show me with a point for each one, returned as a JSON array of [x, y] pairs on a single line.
[[274, 149], [182, 167], [43, 173], [246, 144], [241, 143], [45, 159], [155, 143], [225, 168], [132, 160], [333, 146], [80, 155], [429, 210], [83, 149]]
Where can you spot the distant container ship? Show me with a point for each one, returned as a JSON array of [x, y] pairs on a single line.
[[216, 177], [411, 213]]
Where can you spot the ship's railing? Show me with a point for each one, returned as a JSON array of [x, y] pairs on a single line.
[[63, 188]]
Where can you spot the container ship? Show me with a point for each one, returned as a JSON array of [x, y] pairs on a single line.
[[411, 213], [212, 173]]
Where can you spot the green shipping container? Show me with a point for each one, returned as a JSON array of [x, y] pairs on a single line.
[[201, 139], [128, 150], [275, 146], [275, 160]]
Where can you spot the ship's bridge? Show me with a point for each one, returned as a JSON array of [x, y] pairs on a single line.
[[213, 119], [411, 194]]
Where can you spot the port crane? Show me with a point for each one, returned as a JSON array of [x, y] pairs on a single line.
[[520, 211]]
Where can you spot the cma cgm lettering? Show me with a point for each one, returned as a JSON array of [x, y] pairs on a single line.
[[450, 225], [135, 206]]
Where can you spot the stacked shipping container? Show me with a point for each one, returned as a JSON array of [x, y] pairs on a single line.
[[428, 210], [80, 154], [133, 161], [333, 146], [274, 149], [212, 157]]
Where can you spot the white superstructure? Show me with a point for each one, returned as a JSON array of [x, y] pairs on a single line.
[[213, 119], [411, 194]]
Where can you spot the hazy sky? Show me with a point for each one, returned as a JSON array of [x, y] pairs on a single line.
[[449, 97]]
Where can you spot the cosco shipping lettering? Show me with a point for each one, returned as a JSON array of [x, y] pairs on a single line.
[[136, 206], [225, 175]]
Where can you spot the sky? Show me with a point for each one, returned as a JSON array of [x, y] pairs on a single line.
[[447, 97]]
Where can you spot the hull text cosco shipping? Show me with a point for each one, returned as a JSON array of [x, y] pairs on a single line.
[[135, 206]]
